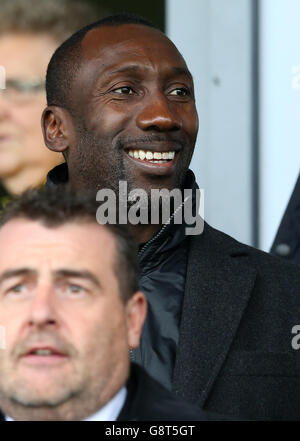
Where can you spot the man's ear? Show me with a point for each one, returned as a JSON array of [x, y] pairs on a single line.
[[56, 124], [136, 310]]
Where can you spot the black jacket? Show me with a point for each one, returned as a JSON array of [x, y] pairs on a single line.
[[234, 355], [287, 241], [234, 352], [147, 400]]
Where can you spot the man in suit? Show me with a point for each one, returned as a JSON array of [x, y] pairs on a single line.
[[218, 332], [71, 309]]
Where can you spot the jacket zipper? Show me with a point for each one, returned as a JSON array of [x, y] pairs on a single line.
[[159, 233]]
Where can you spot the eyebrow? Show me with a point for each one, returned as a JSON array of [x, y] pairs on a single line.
[[80, 274], [64, 272], [136, 68], [16, 272], [128, 68], [182, 71]]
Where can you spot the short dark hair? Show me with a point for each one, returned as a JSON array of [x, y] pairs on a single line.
[[66, 60], [56, 206]]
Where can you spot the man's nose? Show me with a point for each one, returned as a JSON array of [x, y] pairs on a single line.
[[42, 308], [157, 113]]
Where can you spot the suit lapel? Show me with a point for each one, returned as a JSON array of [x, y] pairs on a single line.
[[218, 287]]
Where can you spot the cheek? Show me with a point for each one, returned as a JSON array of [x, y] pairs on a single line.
[[88, 324], [105, 328], [112, 120], [190, 122], [11, 324]]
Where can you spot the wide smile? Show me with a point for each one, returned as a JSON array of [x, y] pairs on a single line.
[[155, 162]]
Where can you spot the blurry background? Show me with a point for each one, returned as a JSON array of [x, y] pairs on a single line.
[[245, 59]]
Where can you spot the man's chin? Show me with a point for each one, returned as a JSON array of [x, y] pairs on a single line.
[[41, 399], [40, 393]]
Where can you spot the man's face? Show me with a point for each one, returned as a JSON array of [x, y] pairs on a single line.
[[68, 331], [135, 116], [24, 58]]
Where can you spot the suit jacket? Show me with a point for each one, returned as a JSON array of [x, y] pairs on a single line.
[[235, 353], [287, 241], [147, 400]]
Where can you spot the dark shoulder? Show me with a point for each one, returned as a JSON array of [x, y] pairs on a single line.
[[218, 243], [147, 400]]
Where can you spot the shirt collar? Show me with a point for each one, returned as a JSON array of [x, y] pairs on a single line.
[[111, 410]]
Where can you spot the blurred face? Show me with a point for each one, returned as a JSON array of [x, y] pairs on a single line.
[[68, 332], [136, 117], [25, 58]]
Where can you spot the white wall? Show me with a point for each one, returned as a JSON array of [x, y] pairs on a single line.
[[279, 110], [214, 37]]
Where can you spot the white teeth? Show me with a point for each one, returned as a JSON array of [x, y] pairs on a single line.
[[142, 154], [43, 352], [149, 155]]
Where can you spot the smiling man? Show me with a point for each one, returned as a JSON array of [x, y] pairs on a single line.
[[121, 107], [122, 87]]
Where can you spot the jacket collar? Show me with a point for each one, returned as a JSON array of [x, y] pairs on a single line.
[[219, 283], [170, 234], [59, 175]]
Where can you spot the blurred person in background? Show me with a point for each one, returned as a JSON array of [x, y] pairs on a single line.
[[287, 240], [30, 31]]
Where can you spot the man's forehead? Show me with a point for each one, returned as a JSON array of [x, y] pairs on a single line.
[[35, 232], [106, 39]]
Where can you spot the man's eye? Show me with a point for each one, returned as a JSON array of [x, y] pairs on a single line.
[[125, 90], [75, 289], [17, 289], [180, 92]]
